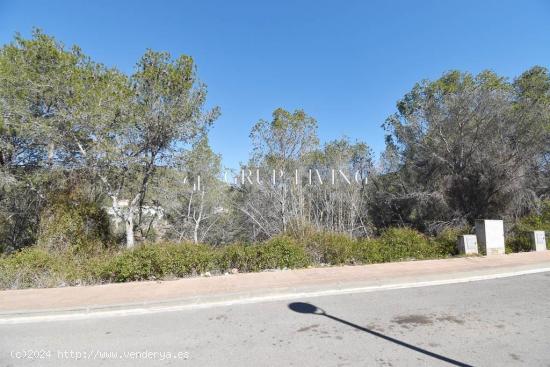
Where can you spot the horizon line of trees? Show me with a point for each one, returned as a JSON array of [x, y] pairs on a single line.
[[77, 137]]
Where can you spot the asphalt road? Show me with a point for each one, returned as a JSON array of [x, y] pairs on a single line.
[[503, 322]]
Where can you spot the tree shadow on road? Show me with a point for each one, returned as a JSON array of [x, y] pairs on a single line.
[[302, 307]]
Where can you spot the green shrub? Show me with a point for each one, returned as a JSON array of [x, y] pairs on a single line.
[[401, 244], [519, 238], [368, 251], [34, 267], [236, 256], [141, 263], [157, 261], [78, 226], [330, 248], [96, 268], [518, 242], [278, 253], [406, 243], [535, 222], [184, 259], [446, 240]]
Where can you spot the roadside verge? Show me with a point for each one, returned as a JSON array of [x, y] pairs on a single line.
[[36, 305]]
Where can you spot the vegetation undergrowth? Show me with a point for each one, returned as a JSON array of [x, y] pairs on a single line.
[[39, 267]]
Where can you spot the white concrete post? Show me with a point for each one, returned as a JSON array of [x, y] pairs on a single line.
[[538, 240], [490, 236], [467, 244]]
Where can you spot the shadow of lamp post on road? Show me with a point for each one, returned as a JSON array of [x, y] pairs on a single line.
[[308, 308]]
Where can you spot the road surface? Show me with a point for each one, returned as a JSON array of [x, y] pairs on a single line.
[[502, 322]]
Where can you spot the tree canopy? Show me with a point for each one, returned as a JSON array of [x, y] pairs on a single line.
[[81, 142]]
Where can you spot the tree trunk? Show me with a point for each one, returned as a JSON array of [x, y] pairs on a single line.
[[196, 233], [198, 220], [130, 231]]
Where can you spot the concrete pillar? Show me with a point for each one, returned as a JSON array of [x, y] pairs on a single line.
[[467, 244], [490, 236], [538, 240]]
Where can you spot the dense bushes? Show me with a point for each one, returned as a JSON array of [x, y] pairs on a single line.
[[329, 248], [157, 261], [73, 224], [400, 243], [397, 244], [277, 253], [519, 238], [36, 267], [446, 239], [394, 244]]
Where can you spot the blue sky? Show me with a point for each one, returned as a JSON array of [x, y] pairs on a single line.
[[346, 63]]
